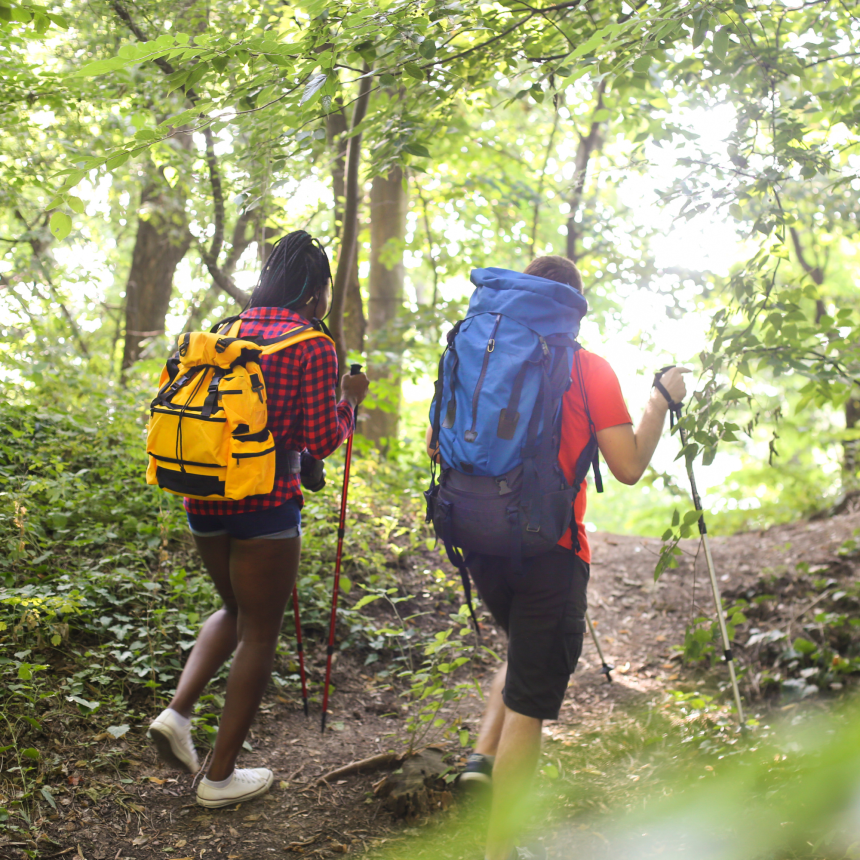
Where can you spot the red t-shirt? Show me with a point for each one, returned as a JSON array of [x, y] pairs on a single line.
[[607, 408]]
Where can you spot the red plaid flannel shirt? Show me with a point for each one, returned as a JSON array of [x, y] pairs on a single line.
[[302, 406]]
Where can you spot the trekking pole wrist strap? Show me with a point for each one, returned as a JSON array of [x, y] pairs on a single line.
[[674, 407]]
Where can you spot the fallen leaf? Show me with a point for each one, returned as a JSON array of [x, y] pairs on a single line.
[[74, 780], [255, 817], [156, 780], [181, 858], [81, 763], [673, 677], [102, 736], [660, 638], [233, 832], [140, 840]]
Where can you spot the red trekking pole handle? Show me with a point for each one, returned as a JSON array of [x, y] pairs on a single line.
[[354, 369]]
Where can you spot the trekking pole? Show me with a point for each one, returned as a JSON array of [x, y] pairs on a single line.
[[353, 369], [675, 415], [606, 668], [300, 648]]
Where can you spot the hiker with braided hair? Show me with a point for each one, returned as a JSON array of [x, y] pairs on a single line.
[[250, 547]]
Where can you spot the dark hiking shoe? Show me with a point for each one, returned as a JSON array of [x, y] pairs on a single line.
[[478, 770]]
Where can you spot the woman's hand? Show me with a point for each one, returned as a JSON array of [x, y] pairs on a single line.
[[354, 388]]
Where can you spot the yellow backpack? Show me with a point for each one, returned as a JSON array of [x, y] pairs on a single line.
[[207, 436]]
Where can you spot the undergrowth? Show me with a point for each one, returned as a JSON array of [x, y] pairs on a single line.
[[102, 594]]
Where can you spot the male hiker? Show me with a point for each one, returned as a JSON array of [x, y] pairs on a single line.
[[517, 398]]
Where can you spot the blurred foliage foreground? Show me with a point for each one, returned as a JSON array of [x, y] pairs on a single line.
[[679, 779]]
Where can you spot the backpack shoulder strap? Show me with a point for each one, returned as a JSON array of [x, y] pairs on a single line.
[[289, 338]]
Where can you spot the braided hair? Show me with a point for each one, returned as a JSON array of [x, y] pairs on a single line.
[[296, 271]]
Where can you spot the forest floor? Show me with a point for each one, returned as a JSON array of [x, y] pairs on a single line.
[[146, 811]]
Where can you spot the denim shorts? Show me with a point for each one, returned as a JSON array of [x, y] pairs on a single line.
[[285, 521]]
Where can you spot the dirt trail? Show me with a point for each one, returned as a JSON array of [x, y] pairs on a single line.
[[147, 812]]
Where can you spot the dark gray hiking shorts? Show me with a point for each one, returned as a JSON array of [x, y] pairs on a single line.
[[542, 609]]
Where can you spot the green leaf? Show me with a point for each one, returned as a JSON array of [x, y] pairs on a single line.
[[690, 517], [676, 517], [116, 160], [31, 753], [428, 49], [368, 598], [46, 793], [721, 43], [641, 64], [414, 71], [345, 584], [61, 225], [550, 771], [313, 86], [417, 149], [700, 29], [25, 670], [117, 731], [99, 67], [387, 80], [75, 204]]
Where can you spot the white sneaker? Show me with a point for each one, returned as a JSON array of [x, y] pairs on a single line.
[[247, 783], [173, 741]]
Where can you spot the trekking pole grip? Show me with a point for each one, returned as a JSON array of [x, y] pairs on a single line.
[[354, 370]]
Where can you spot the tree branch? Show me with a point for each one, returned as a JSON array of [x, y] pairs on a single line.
[[220, 277], [541, 178], [584, 150], [517, 24], [349, 240]]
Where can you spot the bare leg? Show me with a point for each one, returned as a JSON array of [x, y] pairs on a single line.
[[217, 638], [263, 573], [516, 759], [494, 716]]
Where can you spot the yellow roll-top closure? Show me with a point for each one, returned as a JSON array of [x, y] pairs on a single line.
[[218, 350]]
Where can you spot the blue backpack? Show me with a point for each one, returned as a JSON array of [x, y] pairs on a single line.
[[496, 417]]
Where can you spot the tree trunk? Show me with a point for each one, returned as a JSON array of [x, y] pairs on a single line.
[[387, 232], [354, 320], [161, 242], [849, 447]]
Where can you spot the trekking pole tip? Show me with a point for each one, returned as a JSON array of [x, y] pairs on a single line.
[[322, 723], [307, 712], [606, 670]]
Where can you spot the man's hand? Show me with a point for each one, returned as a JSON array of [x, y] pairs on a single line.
[[354, 388], [628, 453], [673, 381]]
